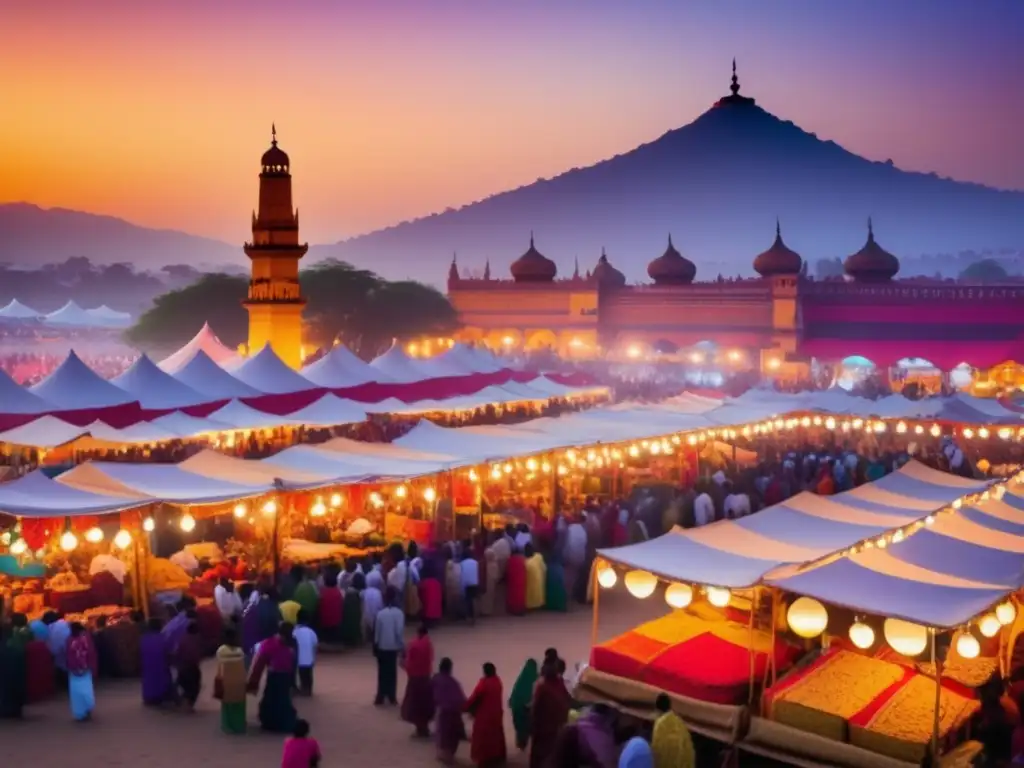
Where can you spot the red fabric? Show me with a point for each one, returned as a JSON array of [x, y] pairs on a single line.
[[515, 582], [36, 531], [431, 599], [419, 658], [329, 608], [946, 355], [106, 589], [1007, 312], [710, 669], [40, 672], [78, 601], [485, 705], [626, 655]]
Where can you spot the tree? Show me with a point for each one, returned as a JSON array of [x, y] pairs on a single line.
[[345, 304], [984, 271]]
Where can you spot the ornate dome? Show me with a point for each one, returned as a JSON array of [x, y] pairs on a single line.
[[607, 275], [275, 158], [872, 263], [779, 259], [672, 268], [533, 267]]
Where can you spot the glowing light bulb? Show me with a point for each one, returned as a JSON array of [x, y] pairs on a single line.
[[19, 547], [401, 492], [607, 577], [531, 465], [68, 541], [94, 535], [989, 625], [545, 468], [376, 500], [239, 510], [319, 509], [496, 474], [122, 539], [188, 523], [861, 635], [508, 469], [473, 476], [430, 495], [335, 499], [830, 423], [270, 508], [718, 596], [148, 525]]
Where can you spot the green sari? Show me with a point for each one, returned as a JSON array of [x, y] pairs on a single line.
[[521, 700], [306, 596]]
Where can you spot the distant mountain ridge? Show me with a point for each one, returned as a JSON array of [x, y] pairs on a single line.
[[717, 185], [31, 236]]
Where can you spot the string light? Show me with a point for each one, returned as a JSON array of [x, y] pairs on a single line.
[[240, 510], [270, 508], [319, 509], [94, 535], [122, 539], [148, 525], [430, 495], [187, 523], [401, 492], [335, 499], [19, 547]]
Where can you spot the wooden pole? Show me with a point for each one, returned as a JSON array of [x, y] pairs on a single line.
[[938, 701], [753, 610], [597, 591]]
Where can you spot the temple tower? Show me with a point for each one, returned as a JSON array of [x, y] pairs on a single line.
[[275, 300]]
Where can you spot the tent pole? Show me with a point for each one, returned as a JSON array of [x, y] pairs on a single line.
[[753, 610], [938, 702], [597, 591]]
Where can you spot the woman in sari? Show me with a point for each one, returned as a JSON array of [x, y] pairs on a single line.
[[81, 670], [276, 655], [487, 747], [352, 612], [187, 660], [231, 684], [307, 597], [418, 702], [453, 589], [549, 712], [330, 609], [519, 702], [536, 576], [556, 597], [430, 588], [156, 666], [597, 737], [449, 701], [515, 585]]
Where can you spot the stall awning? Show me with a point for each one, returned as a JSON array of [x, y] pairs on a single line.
[[36, 495], [158, 482]]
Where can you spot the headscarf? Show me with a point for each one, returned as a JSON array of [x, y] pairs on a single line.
[[637, 754], [522, 691]]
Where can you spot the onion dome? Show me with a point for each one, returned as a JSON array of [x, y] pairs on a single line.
[[533, 267], [275, 159], [779, 259], [606, 275], [672, 268], [872, 263]]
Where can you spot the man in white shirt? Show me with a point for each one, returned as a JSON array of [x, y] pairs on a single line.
[[703, 509], [523, 537], [469, 574], [736, 505], [305, 643], [227, 601], [388, 643]]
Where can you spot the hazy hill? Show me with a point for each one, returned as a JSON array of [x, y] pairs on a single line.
[[717, 184], [31, 236]]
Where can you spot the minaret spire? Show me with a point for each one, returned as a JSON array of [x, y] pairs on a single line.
[[778, 229], [576, 269], [273, 134], [487, 269], [735, 87], [871, 231]]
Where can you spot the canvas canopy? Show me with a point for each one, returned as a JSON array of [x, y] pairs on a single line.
[[329, 411], [72, 315], [15, 310], [340, 368], [268, 373], [44, 432], [806, 527], [158, 482], [110, 318], [15, 399], [209, 379], [238, 415], [75, 386], [205, 341], [397, 366], [156, 389], [36, 495]]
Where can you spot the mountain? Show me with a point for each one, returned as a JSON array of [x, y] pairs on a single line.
[[31, 236], [717, 185]]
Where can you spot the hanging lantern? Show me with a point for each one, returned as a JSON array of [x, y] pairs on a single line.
[[68, 541], [861, 635], [270, 508], [122, 539], [430, 495], [239, 510], [679, 595], [319, 509], [1006, 613], [641, 583], [905, 637], [607, 577], [335, 499], [807, 617], [989, 625], [531, 465], [188, 523], [718, 596], [19, 547], [967, 646], [94, 535], [148, 525], [401, 492]]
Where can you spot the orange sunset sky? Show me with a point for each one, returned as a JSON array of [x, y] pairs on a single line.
[[158, 112]]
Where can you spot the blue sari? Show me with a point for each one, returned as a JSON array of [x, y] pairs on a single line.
[[83, 698]]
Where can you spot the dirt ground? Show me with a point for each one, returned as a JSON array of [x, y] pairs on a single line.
[[351, 731]]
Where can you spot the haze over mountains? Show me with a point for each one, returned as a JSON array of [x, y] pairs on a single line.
[[716, 184]]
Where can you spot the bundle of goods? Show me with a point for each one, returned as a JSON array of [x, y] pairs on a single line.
[[165, 576], [823, 696], [25, 597], [115, 614], [901, 725], [972, 673], [68, 594]]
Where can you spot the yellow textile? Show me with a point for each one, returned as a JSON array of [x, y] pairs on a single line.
[[536, 575], [290, 611], [671, 743], [676, 627]]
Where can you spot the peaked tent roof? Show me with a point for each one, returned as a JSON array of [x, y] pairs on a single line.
[[71, 314], [206, 341], [44, 432], [268, 373], [74, 386], [329, 411], [340, 368], [36, 495], [207, 378], [398, 366], [163, 482], [105, 316], [155, 389], [238, 415], [14, 398], [15, 310]]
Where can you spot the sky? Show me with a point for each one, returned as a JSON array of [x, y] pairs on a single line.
[[158, 112]]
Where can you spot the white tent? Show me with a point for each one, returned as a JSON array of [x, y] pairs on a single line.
[[238, 415], [340, 368], [209, 379], [183, 425], [74, 385], [14, 398], [206, 341], [329, 411], [165, 482], [398, 366], [111, 318], [269, 373], [36, 495], [44, 432], [154, 388], [15, 310], [71, 315], [139, 433], [467, 360]]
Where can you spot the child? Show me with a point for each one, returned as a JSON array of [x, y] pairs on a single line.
[[305, 645], [301, 751]]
